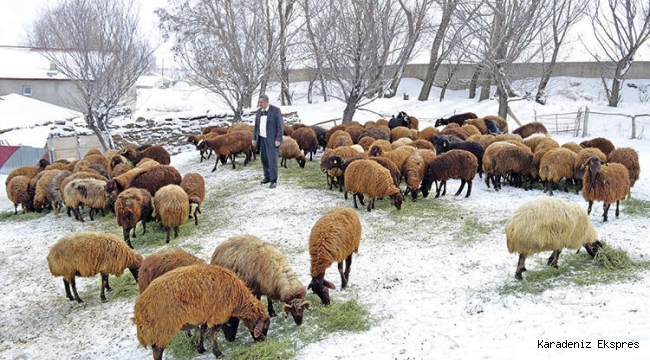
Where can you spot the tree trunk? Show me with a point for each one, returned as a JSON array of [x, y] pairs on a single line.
[[540, 97], [350, 108], [433, 59], [99, 134], [485, 89], [473, 83], [614, 96]]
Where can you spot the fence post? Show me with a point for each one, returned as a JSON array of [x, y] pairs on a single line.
[[586, 122], [633, 126], [577, 123]]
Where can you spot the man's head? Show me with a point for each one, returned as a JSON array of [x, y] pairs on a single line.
[[263, 101]]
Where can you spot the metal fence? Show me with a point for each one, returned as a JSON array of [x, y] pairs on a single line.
[[583, 122]]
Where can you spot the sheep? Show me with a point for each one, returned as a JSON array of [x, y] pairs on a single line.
[[320, 135], [501, 126], [399, 155], [455, 131], [556, 164], [535, 140], [606, 183], [120, 169], [161, 262], [194, 140], [266, 271], [422, 144], [427, 133], [355, 131], [121, 182], [401, 142], [339, 138], [133, 205], [529, 129], [502, 158], [29, 171], [458, 119], [17, 193], [172, 207], [40, 193], [344, 152], [87, 192], [483, 140], [549, 224], [333, 238], [400, 132], [62, 165], [379, 147], [413, 170], [572, 146], [87, 254], [629, 158], [195, 294], [400, 120], [368, 177], [307, 140], [241, 127], [601, 143], [194, 187], [98, 159], [155, 152], [155, 178], [478, 123], [376, 133], [219, 129], [366, 142], [289, 149], [443, 145], [453, 164], [75, 176], [395, 172], [54, 190], [579, 164], [332, 130], [228, 146]]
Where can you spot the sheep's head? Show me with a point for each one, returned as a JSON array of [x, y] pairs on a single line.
[[375, 151], [333, 162], [296, 307], [592, 248], [594, 166], [201, 145], [42, 163], [301, 161], [258, 327], [440, 122], [397, 199], [321, 287]]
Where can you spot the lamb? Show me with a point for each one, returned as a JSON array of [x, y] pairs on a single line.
[[458, 119], [339, 138], [307, 140], [161, 262], [549, 224], [195, 294], [87, 254], [556, 164], [601, 143], [453, 164], [172, 207], [154, 152], [194, 187], [606, 183], [413, 170], [443, 145], [629, 158], [17, 193], [87, 192], [155, 178], [289, 149], [333, 238], [266, 271], [133, 205], [29, 171], [529, 129], [368, 177]]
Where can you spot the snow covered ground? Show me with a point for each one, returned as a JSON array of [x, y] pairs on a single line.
[[432, 297]]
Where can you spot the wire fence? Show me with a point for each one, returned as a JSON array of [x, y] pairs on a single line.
[[584, 121]]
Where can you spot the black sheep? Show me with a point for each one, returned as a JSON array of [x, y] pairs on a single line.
[[457, 119]]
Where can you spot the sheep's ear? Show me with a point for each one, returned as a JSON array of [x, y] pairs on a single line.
[[306, 305], [329, 284], [259, 327], [285, 308]]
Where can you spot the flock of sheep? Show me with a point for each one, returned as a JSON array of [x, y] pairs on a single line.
[[370, 160]]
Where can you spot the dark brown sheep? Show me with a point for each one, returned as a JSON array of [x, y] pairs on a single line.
[[606, 183], [370, 178], [17, 193], [629, 158], [601, 143], [155, 178], [133, 205], [228, 146], [194, 186], [307, 140], [531, 128], [154, 152], [453, 164]]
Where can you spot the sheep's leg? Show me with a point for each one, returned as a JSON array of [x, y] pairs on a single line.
[[443, 184], [168, 230], [126, 232], [199, 343], [144, 227], [104, 286], [617, 201], [605, 210], [66, 285], [157, 352], [175, 232], [216, 162], [270, 307], [487, 179], [91, 214], [16, 209], [520, 267], [340, 181], [348, 263], [74, 290], [215, 348], [232, 160], [462, 186], [196, 218], [360, 195], [354, 197], [342, 273], [589, 207], [552, 260], [469, 188]]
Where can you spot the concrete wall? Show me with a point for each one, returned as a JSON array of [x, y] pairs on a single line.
[[58, 92]]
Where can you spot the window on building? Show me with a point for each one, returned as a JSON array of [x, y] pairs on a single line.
[[27, 90]]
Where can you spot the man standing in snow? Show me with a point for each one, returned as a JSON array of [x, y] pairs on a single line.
[[267, 137]]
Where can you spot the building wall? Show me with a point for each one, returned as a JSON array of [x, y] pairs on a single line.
[[58, 92]]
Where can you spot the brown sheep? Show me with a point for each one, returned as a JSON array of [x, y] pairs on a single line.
[[395, 172], [333, 239], [368, 177], [601, 143], [228, 146], [422, 144], [98, 159], [266, 271], [366, 142], [154, 152], [478, 123], [579, 165], [535, 140], [87, 254], [453, 164], [339, 138], [155, 178], [161, 262], [503, 124], [120, 182], [332, 130], [54, 190], [194, 186], [427, 133], [529, 129], [194, 140], [88, 192], [344, 152], [400, 132], [289, 149], [355, 131], [379, 147], [120, 169], [629, 158], [29, 171], [240, 127], [483, 140], [414, 169], [133, 205], [399, 155], [504, 158], [572, 146], [17, 193], [556, 164], [172, 206], [62, 165], [40, 193], [606, 183], [307, 140], [377, 133], [195, 294], [455, 131], [219, 129], [401, 142]]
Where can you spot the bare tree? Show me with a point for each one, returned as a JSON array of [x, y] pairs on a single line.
[[226, 44], [317, 24], [286, 15], [620, 28], [97, 44], [564, 14]]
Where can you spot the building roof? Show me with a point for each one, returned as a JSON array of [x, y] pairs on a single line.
[[18, 62]]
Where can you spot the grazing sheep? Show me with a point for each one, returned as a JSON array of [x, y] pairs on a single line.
[[40, 193], [87, 254], [172, 206], [17, 193], [120, 169], [195, 294], [29, 171], [536, 140], [266, 271], [133, 205], [321, 135], [121, 182], [379, 147], [54, 190], [333, 238], [400, 132], [156, 177], [442, 145], [289, 149], [503, 158], [457, 119], [556, 164], [529, 129], [453, 164], [334, 174], [399, 155], [154, 152], [395, 172], [339, 138], [478, 123], [427, 133], [307, 140], [601, 143], [355, 131], [88, 192], [194, 187], [606, 183], [549, 224], [629, 158], [572, 146], [368, 177], [161, 262], [413, 170], [422, 144], [377, 133], [332, 130]]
